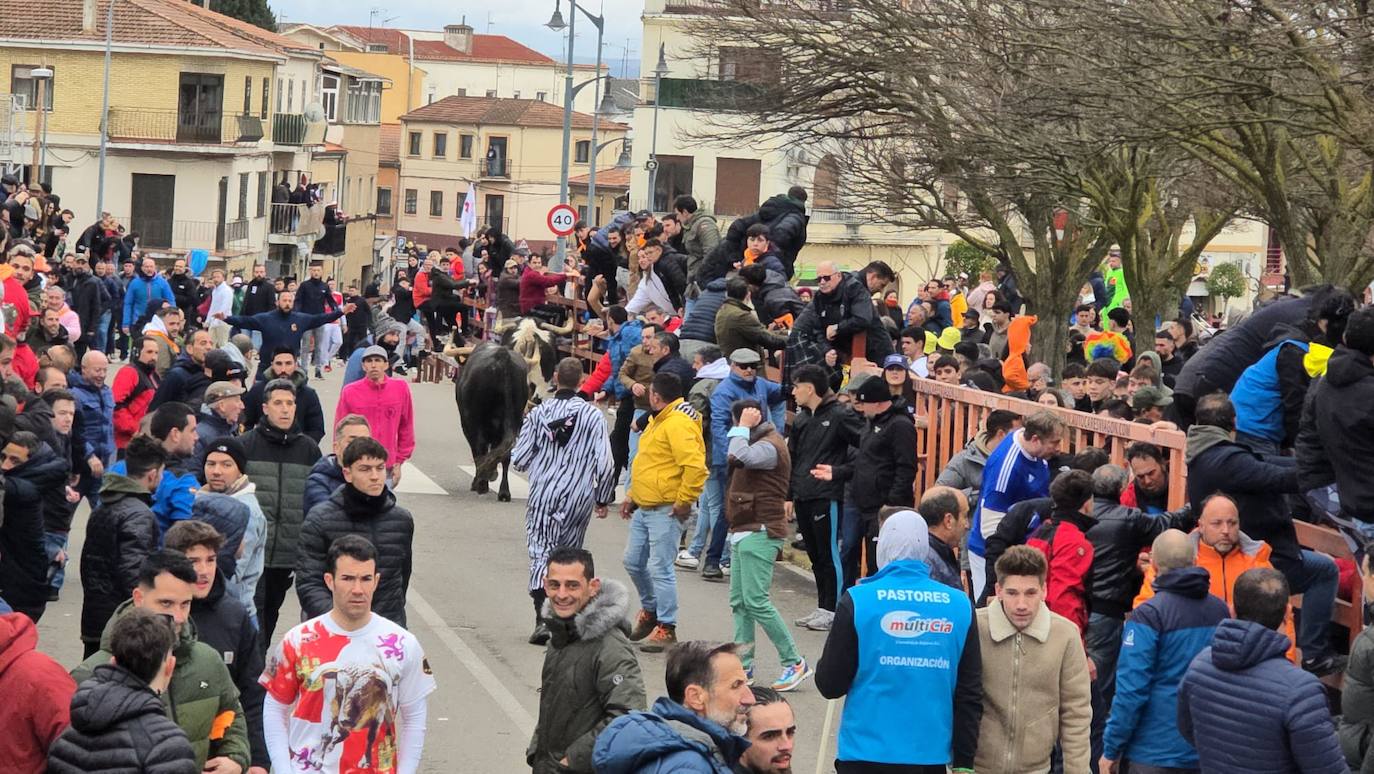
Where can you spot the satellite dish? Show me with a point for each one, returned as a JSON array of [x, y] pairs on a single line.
[[314, 112]]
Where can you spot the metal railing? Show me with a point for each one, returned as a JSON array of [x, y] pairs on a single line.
[[837, 215], [164, 234], [288, 129], [820, 7], [707, 94], [139, 124], [296, 220], [497, 167]]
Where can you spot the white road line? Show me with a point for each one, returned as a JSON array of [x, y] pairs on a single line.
[[414, 481], [511, 706], [519, 487]]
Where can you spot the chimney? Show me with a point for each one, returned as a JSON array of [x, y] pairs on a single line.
[[88, 13], [458, 37]]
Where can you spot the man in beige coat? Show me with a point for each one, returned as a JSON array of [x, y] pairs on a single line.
[[1035, 675]]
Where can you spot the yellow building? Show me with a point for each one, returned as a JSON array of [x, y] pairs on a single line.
[[196, 124], [509, 148]]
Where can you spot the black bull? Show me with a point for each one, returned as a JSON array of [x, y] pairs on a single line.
[[494, 389]]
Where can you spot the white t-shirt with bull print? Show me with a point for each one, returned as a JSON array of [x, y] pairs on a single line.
[[345, 690]]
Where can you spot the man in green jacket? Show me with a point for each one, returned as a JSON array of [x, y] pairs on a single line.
[[591, 675], [201, 697], [738, 325]]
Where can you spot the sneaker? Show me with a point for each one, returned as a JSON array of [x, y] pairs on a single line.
[[52, 595], [792, 677], [663, 637], [686, 561], [808, 618], [822, 622], [318, 375], [713, 573], [329, 369], [644, 624], [725, 569], [1327, 665], [540, 635]]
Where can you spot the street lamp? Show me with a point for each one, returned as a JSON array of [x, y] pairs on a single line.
[[606, 107], [556, 23], [40, 126], [660, 70], [105, 111]]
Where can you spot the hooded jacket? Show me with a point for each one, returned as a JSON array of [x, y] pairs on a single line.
[[1018, 341], [669, 739], [965, 469], [700, 236], [787, 220], [1035, 691], [591, 677], [700, 323], [133, 390], [210, 427], [349, 512], [119, 727], [44, 690], [1218, 365], [733, 388], [185, 381], [309, 413], [670, 467], [120, 534], [1248, 711], [278, 464], [325, 478], [245, 533], [850, 308], [201, 697], [776, 300], [621, 345], [140, 290], [1338, 428], [1064, 542], [1357, 704], [175, 490], [96, 405], [23, 557], [1157, 645], [884, 470], [389, 413], [1218, 464], [821, 437], [224, 624]]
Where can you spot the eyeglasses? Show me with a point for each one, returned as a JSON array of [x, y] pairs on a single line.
[[747, 366], [826, 277]]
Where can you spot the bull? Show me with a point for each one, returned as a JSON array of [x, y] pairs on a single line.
[[360, 702], [496, 386]]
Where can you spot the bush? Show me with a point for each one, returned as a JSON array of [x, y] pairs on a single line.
[[964, 257], [1226, 281]]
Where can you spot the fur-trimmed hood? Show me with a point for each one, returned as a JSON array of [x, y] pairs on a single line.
[[608, 610]]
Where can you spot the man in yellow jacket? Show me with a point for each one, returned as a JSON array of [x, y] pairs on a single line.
[[668, 475]]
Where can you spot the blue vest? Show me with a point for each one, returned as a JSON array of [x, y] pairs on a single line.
[[1259, 406], [911, 632]]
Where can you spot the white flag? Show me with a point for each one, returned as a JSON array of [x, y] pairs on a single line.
[[468, 219]]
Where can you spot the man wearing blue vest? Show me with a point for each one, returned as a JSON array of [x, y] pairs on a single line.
[[904, 651]]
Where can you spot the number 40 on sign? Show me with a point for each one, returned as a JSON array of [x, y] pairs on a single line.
[[562, 219]]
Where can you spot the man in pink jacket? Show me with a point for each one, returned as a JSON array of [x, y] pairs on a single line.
[[385, 402]]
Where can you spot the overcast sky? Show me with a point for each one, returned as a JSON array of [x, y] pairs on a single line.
[[522, 20]]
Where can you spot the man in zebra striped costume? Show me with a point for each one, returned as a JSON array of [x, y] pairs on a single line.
[[565, 447]]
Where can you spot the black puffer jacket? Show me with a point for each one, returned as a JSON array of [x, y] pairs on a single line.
[[185, 381], [1118, 537], [700, 323], [260, 296], [775, 298], [278, 464], [591, 677], [884, 470], [23, 558], [309, 412], [850, 308], [85, 293], [1218, 365], [822, 437], [324, 478], [349, 512], [119, 727], [223, 624], [786, 218], [1338, 431], [120, 534]]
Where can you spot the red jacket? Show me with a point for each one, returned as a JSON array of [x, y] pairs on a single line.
[[1064, 543], [129, 408], [532, 286], [422, 290], [593, 384], [38, 696]]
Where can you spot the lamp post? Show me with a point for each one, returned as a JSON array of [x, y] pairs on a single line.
[[40, 126], [569, 91], [660, 70], [606, 106], [105, 112]]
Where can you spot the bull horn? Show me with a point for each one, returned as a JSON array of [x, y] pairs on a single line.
[[559, 331]]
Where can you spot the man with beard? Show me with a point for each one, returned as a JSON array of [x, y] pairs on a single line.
[[133, 391], [258, 297], [313, 297], [186, 381], [309, 416], [697, 728], [46, 332], [85, 292], [225, 462], [772, 730], [283, 327], [185, 289]]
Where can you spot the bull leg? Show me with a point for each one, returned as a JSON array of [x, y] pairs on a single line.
[[504, 494]]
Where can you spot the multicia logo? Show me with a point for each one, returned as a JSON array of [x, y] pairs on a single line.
[[905, 624]]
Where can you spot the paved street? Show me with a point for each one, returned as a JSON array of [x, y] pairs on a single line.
[[469, 607]]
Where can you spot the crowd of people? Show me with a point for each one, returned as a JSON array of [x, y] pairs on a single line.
[[1039, 608]]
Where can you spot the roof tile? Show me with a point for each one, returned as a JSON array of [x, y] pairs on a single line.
[[502, 112], [497, 48], [389, 144], [140, 22]]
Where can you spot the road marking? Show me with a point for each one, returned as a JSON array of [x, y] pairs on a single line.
[[519, 716], [519, 487], [414, 481]]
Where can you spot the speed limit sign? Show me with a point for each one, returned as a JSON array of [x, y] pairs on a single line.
[[562, 219]]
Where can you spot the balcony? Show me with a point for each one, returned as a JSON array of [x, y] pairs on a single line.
[[292, 224], [288, 129], [704, 94], [498, 167], [181, 235], [170, 126]]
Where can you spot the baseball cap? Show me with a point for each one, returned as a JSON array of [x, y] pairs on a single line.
[[970, 315], [221, 390], [894, 361], [1150, 396], [949, 338], [511, 263], [872, 390], [375, 351], [643, 214], [745, 356], [236, 281], [225, 372]]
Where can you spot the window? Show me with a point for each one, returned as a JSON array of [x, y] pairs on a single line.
[[674, 179], [465, 143], [412, 200], [243, 196], [748, 65], [343, 199], [290, 94], [495, 211], [266, 89], [517, 95], [25, 85], [436, 204], [248, 96], [280, 92], [262, 194], [329, 97], [383, 201], [440, 145], [415, 139], [462, 92], [491, 93], [583, 151], [542, 96], [365, 195], [737, 185], [364, 104]]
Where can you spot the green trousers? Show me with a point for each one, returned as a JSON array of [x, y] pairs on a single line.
[[751, 580]]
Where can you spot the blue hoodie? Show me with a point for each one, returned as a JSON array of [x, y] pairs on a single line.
[[668, 740], [175, 493], [733, 388], [1157, 645], [140, 291], [620, 345]]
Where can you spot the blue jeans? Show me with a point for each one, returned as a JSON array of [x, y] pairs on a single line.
[[1316, 578], [102, 331], [634, 446], [54, 542], [649, 555], [718, 553], [851, 543], [711, 503]]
